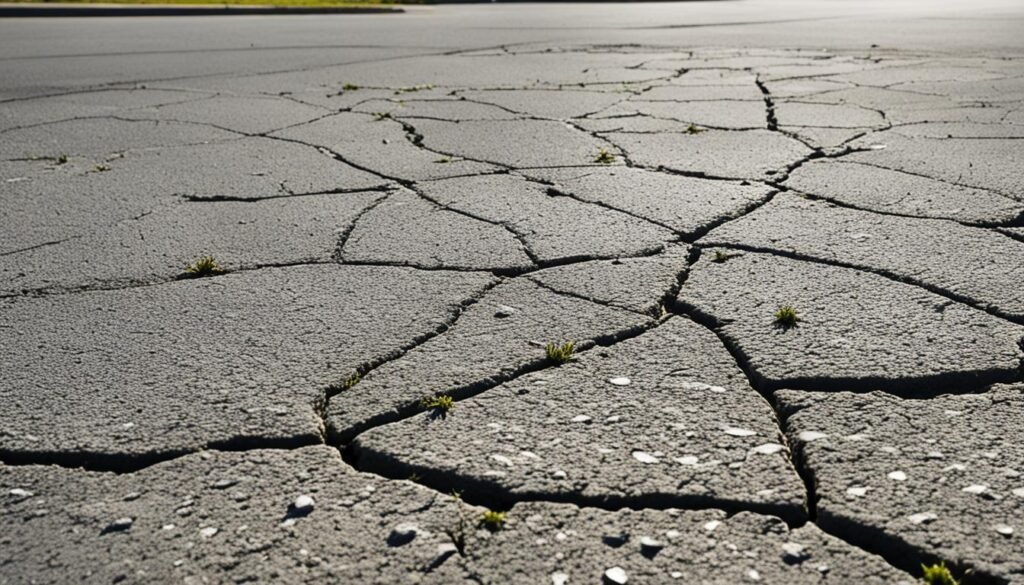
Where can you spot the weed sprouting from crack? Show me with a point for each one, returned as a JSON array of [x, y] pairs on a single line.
[[61, 159], [351, 381], [350, 87], [695, 129], [101, 168], [378, 116], [721, 257], [443, 160], [438, 405], [205, 266], [413, 88], [604, 157], [938, 574], [560, 354], [786, 317], [493, 520]]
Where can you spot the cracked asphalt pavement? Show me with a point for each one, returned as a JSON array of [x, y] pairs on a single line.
[[407, 209]]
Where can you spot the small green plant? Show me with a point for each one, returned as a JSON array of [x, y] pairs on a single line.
[[560, 353], [604, 157], [722, 256], [694, 129], [938, 575], [62, 159], [493, 520], [443, 160], [786, 317], [378, 116], [413, 88], [439, 404], [101, 168], [350, 87], [205, 266], [351, 381]]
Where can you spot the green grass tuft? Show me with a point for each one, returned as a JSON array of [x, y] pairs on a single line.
[[695, 129], [62, 159], [439, 404], [492, 520], [378, 116], [350, 87], [443, 160], [938, 575], [351, 381], [604, 157], [205, 266], [560, 353], [786, 317]]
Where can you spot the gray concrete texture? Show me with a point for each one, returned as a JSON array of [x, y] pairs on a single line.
[[411, 207]]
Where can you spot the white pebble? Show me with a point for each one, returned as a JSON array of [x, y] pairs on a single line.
[[975, 489], [502, 459], [209, 532], [581, 418], [897, 476], [922, 518], [651, 543], [740, 432], [616, 575], [856, 491], [1004, 529], [559, 578], [303, 504], [687, 460], [710, 526], [20, 493], [1019, 492], [768, 448], [644, 457], [754, 575], [620, 381]]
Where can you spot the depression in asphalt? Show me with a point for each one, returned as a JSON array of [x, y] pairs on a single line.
[[707, 292]]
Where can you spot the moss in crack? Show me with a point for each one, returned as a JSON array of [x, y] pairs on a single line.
[[604, 156], [938, 574], [493, 520], [350, 87], [205, 266], [560, 354]]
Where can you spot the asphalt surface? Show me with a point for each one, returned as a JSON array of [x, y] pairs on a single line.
[[409, 208]]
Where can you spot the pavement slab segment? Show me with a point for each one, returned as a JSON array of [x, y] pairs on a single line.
[[974, 265], [119, 378], [409, 230], [922, 479], [856, 330], [890, 191], [501, 336], [665, 419], [158, 246], [555, 229], [304, 516]]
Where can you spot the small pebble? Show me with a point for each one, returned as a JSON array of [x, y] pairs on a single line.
[[402, 534], [303, 504], [857, 491], [710, 526], [687, 460], [739, 432], [794, 552], [616, 575], [620, 381], [504, 311], [643, 457], [20, 493], [1019, 492], [209, 532], [975, 489], [897, 476], [754, 575], [581, 418], [923, 517], [1004, 529], [651, 543], [559, 578], [768, 448]]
